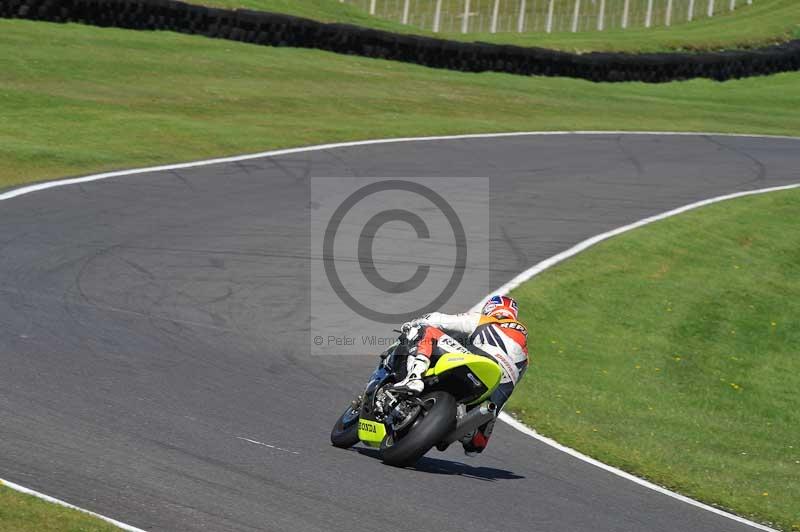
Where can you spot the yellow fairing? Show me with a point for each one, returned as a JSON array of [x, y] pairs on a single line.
[[485, 369], [371, 432]]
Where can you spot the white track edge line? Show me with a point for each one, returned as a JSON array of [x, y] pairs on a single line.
[[274, 153], [48, 498], [571, 252], [504, 289], [642, 482]]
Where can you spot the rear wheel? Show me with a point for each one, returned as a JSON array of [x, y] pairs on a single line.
[[345, 432], [435, 422]]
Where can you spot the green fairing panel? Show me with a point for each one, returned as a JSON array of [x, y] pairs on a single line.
[[371, 432], [484, 368]]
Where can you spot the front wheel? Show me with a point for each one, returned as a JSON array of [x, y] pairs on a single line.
[[345, 432], [433, 424]]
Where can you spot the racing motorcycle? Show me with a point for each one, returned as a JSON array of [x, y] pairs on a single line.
[[405, 426]]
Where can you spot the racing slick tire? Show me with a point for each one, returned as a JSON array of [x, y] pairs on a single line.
[[430, 428], [345, 432]]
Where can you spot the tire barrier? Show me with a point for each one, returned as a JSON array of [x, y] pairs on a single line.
[[273, 29]]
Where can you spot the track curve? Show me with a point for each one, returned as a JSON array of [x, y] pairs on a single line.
[[153, 373]]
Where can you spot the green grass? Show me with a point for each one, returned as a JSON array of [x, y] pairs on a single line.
[[69, 104], [762, 23], [422, 14], [672, 352], [322, 10], [24, 513]]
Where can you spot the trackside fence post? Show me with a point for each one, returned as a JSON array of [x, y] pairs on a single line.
[[465, 21], [601, 15], [501, 17], [626, 9], [495, 12], [550, 17], [576, 15]]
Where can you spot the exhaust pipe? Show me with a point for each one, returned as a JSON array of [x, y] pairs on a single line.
[[471, 421]]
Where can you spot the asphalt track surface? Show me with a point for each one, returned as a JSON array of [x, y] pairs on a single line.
[[149, 322]]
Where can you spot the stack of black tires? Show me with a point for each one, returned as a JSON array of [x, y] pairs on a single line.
[[283, 30]]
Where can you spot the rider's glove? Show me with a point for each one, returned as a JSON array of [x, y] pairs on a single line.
[[417, 322], [410, 330]]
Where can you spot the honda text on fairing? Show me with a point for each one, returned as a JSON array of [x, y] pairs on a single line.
[[444, 379]]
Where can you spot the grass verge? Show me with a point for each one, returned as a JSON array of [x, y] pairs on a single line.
[[25, 513], [671, 352], [762, 23], [69, 105]]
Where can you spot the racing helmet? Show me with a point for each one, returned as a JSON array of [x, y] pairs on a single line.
[[500, 307]]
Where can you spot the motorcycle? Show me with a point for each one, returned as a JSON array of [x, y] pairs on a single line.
[[404, 426]]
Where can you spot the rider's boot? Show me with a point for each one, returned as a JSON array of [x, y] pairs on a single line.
[[417, 367], [418, 362], [475, 442]]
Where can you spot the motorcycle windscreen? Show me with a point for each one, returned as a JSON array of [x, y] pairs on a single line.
[[371, 432]]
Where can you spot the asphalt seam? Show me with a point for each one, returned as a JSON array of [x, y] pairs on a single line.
[[516, 281]]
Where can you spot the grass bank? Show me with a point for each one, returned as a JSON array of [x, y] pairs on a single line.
[[671, 352], [24, 513], [762, 23], [69, 105]]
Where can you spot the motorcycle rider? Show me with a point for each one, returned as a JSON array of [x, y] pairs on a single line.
[[494, 333]]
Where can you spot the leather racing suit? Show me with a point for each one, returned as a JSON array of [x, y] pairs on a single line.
[[503, 340]]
